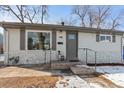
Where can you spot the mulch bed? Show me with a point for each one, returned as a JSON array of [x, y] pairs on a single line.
[[29, 82]]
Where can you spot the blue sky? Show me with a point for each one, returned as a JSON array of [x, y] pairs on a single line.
[[55, 13], [58, 11], [62, 11]]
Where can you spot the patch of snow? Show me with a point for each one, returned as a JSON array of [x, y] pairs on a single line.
[[113, 73], [72, 81], [95, 85], [85, 66], [75, 81]]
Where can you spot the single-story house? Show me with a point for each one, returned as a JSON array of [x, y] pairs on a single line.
[[26, 43]]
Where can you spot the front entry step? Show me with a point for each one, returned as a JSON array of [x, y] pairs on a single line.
[[82, 69], [64, 65], [74, 60]]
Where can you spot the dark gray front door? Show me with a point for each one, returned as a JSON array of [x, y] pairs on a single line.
[[71, 43]]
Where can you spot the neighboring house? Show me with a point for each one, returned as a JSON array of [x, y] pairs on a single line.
[[34, 43]]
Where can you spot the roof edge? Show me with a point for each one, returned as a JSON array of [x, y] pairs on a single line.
[[19, 24]]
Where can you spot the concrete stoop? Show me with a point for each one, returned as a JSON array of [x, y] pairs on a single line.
[[64, 65], [82, 69]]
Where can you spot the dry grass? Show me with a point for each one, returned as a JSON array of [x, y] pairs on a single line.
[[29, 82], [18, 77]]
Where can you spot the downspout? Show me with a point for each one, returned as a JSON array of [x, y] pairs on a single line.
[[122, 48], [5, 46], [8, 46]]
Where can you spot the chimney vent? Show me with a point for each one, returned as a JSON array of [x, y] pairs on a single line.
[[62, 23]]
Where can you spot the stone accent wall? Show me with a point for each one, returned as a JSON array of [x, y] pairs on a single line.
[[31, 57]]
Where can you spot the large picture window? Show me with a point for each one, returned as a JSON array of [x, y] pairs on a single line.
[[38, 40]]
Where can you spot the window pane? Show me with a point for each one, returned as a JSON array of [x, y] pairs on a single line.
[[102, 38], [38, 40], [108, 38], [71, 36]]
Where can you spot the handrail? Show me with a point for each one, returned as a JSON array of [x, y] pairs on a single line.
[[88, 49], [95, 54], [50, 52]]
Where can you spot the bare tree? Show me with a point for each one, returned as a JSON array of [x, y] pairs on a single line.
[[116, 21], [81, 11], [70, 21], [27, 13], [18, 11], [36, 13], [95, 15], [44, 12], [31, 13], [91, 17], [102, 12]]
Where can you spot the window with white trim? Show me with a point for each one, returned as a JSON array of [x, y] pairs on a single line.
[[38, 40], [105, 38]]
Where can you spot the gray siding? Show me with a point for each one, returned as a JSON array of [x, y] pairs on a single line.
[[53, 40], [113, 38], [22, 39]]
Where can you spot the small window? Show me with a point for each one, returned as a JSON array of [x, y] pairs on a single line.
[[71, 36], [102, 38], [105, 38], [108, 38]]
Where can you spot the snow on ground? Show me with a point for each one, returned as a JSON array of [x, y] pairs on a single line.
[[74, 81], [114, 73], [95, 85]]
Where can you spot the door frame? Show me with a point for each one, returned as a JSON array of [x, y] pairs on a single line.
[[67, 32]]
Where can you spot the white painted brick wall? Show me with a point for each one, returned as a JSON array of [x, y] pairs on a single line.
[[32, 56], [101, 57], [106, 52]]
